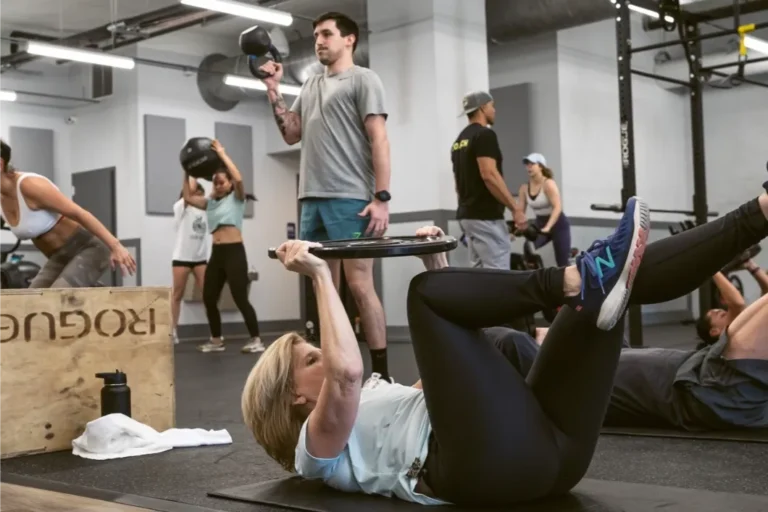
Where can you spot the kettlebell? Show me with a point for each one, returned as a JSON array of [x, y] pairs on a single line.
[[115, 395], [257, 44], [198, 158]]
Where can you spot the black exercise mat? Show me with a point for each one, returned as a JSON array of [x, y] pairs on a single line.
[[741, 436], [294, 493]]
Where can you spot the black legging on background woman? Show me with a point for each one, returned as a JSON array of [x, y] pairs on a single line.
[[228, 265], [499, 438]]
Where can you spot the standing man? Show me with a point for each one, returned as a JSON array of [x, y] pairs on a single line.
[[345, 166], [480, 185]]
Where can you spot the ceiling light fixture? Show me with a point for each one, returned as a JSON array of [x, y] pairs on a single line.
[[88, 56], [243, 10], [250, 83], [8, 95]]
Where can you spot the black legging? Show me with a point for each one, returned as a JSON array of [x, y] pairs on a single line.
[[499, 438], [228, 264]]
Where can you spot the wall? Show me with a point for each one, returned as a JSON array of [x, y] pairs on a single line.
[[735, 129], [168, 92], [589, 125]]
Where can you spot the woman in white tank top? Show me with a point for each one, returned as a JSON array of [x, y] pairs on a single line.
[[190, 253], [78, 247], [543, 196]]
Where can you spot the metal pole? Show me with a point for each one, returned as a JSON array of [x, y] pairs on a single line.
[[731, 64], [659, 77], [627, 138], [700, 208]]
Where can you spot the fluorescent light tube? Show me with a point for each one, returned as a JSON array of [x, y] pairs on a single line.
[[7, 95], [759, 45], [648, 12], [253, 12], [251, 83], [89, 56]]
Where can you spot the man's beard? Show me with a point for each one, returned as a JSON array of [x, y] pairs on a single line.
[[327, 59]]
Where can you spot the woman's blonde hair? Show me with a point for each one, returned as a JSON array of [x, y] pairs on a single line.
[[267, 401]]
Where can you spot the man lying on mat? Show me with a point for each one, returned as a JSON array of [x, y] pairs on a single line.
[[474, 431]]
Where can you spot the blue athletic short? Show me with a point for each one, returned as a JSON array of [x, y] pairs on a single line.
[[332, 219]]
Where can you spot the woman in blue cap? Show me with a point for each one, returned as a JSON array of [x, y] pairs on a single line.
[[543, 196]]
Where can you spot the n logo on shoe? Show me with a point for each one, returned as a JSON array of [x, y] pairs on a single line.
[[601, 263]]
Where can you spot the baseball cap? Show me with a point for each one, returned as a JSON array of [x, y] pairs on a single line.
[[473, 101], [535, 158]]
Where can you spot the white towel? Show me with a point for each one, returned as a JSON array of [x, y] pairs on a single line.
[[115, 436]]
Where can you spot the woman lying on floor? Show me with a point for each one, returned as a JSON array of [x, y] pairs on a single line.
[[478, 433]]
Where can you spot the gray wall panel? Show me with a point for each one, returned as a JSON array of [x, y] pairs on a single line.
[[237, 139], [163, 176], [513, 128], [33, 150]]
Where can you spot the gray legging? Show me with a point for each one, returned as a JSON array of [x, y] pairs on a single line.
[[501, 438], [79, 263]]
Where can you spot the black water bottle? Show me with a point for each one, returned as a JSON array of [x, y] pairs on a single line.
[[115, 395]]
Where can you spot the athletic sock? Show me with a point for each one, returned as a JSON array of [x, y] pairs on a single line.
[[379, 362]]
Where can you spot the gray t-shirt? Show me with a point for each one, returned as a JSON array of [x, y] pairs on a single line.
[[336, 156]]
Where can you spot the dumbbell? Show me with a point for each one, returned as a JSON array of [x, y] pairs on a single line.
[[531, 232], [257, 44]]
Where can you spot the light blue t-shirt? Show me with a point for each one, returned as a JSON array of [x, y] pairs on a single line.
[[391, 431], [227, 211]]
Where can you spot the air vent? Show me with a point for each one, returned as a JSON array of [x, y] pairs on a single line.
[[101, 81]]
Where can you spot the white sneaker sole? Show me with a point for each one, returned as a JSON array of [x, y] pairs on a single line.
[[616, 302], [252, 350]]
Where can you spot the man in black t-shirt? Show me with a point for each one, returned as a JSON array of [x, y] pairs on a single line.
[[480, 185]]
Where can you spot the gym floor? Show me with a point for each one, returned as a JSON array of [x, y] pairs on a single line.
[[208, 390]]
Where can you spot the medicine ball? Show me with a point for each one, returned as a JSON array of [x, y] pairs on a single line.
[[198, 159]]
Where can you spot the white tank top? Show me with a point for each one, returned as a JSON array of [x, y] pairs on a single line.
[[191, 233], [32, 223], [540, 204]]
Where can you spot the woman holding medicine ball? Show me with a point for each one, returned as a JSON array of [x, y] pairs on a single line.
[[224, 209], [190, 253], [78, 248]]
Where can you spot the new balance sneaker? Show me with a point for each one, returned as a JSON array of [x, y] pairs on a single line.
[[609, 266]]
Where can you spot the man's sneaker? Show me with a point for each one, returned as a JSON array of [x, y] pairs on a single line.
[[211, 347], [252, 347], [609, 266], [375, 381]]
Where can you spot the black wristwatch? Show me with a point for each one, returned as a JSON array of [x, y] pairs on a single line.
[[383, 196]]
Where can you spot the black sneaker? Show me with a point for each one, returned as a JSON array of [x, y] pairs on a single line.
[[609, 266]]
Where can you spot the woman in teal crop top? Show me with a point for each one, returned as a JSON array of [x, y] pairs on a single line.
[[228, 263]]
